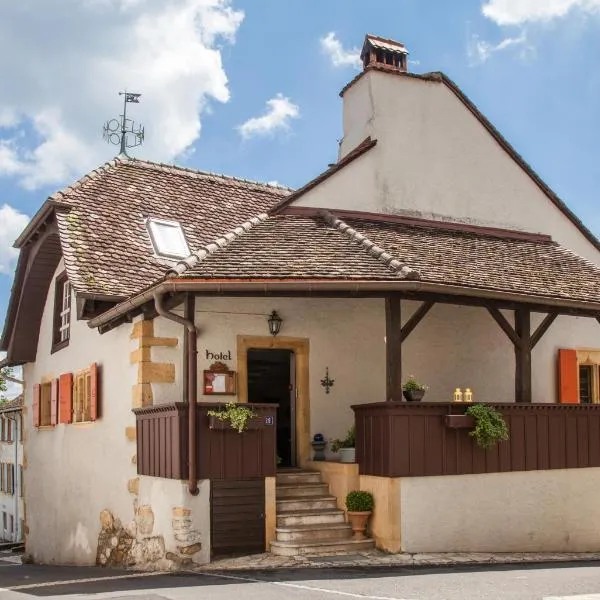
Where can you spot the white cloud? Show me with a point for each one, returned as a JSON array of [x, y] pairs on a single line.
[[339, 56], [518, 12], [280, 110], [73, 62], [12, 223], [479, 50]]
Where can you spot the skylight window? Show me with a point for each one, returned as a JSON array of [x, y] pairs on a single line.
[[168, 238]]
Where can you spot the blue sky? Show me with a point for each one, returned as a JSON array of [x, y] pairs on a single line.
[[207, 67]]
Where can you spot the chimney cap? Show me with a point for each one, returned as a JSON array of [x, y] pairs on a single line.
[[379, 43]]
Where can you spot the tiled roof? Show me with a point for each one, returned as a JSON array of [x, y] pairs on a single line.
[[105, 242], [12, 405], [307, 247]]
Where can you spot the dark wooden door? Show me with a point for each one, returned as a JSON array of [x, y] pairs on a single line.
[[237, 517]]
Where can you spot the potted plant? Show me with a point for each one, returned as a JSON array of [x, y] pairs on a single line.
[[412, 390], [360, 506], [346, 447], [238, 416], [490, 426]]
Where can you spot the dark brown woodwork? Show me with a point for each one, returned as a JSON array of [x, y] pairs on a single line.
[[523, 356], [416, 318], [393, 347], [542, 328], [504, 324], [401, 439], [237, 517], [162, 443], [189, 313]]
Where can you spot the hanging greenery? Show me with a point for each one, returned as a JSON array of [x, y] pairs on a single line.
[[238, 415], [490, 426]]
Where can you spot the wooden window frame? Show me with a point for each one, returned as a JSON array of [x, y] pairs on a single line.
[[62, 309]]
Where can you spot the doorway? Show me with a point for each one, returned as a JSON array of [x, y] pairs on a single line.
[[272, 380]]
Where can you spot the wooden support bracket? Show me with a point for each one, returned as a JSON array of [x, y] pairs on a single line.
[[415, 319]]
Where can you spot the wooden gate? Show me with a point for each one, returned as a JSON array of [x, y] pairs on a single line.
[[237, 517]]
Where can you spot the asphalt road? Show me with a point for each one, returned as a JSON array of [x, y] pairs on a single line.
[[540, 582]]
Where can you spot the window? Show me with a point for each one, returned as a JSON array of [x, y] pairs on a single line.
[[62, 312], [168, 238], [585, 384], [82, 397], [46, 404]]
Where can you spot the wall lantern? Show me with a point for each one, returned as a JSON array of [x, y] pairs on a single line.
[[275, 322]]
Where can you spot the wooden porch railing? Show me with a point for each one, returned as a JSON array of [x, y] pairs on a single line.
[[162, 443], [400, 439]]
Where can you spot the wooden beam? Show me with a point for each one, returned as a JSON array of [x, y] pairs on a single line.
[[523, 356], [415, 319], [393, 348], [504, 325], [542, 328]]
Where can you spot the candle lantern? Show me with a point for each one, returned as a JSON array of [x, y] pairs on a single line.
[[458, 395], [468, 395]]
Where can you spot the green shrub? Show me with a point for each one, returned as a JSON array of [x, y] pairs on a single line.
[[490, 426], [348, 442], [238, 415], [359, 501]]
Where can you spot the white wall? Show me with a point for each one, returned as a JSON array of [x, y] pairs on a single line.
[[7, 501], [434, 159], [532, 511], [75, 472]]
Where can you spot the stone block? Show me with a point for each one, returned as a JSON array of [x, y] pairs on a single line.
[[133, 486], [189, 550], [149, 372], [148, 342], [140, 355], [142, 329], [141, 395], [180, 511], [144, 519], [131, 433]]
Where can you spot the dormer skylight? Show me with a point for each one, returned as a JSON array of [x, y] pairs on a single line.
[[167, 238]]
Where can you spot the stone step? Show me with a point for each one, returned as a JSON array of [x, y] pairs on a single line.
[[314, 533], [305, 503], [291, 477], [325, 548], [310, 517], [303, 489]]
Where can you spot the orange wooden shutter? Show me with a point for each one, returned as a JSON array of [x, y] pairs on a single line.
[[54, 402], [37, 391], [568, 377], [94, 392], [65, 396]]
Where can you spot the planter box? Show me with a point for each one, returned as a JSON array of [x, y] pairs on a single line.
[[459, 421], [259, 422]]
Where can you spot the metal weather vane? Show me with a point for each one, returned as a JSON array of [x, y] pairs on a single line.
[[123, 131]]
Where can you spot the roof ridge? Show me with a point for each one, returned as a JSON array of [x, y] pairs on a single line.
[[221, 242], [91, 175], [170, 167], [396, 266]]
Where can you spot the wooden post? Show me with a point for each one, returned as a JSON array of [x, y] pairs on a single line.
[[393, 347], [523, 356]]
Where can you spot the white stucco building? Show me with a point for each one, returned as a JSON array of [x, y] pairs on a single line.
[[11, 470], [430, 248]]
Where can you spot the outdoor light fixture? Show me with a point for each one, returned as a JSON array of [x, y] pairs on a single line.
[[275, 322]]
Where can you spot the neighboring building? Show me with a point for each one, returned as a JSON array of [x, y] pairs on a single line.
[[11, 470], [428, 218]]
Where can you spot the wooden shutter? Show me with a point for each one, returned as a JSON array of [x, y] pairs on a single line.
[[37, 392], [54, 402], [568, 377], [65, 398], [94, 392]]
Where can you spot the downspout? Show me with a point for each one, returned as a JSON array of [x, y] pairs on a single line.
[[191, 351]]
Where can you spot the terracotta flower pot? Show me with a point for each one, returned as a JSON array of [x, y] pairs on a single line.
[[359, 520]]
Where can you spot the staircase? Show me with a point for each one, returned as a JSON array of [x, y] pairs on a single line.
[[308, 519]]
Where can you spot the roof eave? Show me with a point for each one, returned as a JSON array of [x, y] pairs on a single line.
[[262, 286]]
